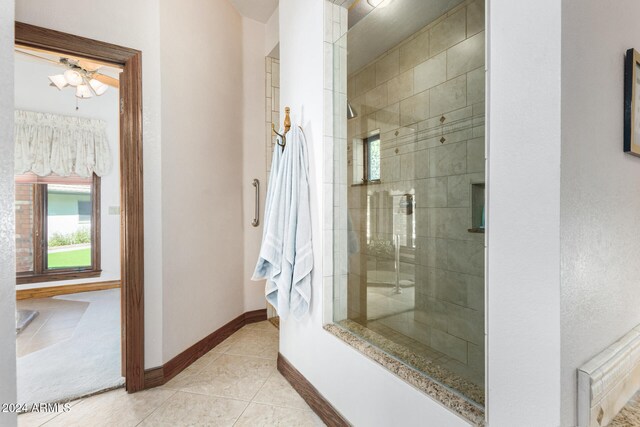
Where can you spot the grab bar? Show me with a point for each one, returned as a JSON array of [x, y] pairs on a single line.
[[256, 216]]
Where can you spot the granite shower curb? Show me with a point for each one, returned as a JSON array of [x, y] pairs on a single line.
[[433, 389]]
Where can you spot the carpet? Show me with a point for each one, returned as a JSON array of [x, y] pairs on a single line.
[[85, 360]]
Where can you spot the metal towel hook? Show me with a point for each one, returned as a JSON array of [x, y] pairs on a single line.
[[287, 127]]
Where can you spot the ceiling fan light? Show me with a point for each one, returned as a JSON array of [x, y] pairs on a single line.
[[73, 77], [59, 81], [98, 87], [379, 3], [83, 91]]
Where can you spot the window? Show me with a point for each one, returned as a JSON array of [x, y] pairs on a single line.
[[57, 228], [371, 147]]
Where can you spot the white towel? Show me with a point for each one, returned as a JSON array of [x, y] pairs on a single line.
[[286, 255]]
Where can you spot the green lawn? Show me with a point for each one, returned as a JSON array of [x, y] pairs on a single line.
[[75, 258]]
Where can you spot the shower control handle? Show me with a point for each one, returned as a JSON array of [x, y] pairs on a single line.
[[256, 216]]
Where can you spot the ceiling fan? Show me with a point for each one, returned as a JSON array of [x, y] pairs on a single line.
[[80, 74]]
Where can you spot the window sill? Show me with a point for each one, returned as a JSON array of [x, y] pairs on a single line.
[[362, 184], [51, 277]]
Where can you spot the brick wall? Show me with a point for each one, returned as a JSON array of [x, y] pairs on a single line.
[[24, 227]]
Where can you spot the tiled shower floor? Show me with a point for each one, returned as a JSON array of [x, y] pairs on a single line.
[[390, 325]]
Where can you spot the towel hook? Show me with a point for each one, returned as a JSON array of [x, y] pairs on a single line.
[[287, 127]]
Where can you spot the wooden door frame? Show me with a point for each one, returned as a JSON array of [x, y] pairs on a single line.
[[131, 194]]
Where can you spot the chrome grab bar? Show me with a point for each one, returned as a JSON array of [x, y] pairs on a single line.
[[256, 216]]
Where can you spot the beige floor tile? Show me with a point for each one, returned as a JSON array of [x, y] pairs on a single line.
[[253, 342], [277, 391], [236, 377], [264, 326], [188, 409], [36, 419], [115, 408], [226, 344], [257, 415]]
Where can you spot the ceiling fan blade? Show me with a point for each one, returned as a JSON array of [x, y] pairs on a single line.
[[113, 82], [88, 65], [42, 58]]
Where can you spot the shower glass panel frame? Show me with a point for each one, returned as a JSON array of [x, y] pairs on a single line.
[[409, 247]]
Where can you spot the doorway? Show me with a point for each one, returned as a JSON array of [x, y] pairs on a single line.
[[73, 49]]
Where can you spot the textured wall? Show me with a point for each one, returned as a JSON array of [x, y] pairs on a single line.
[[523, 240], [253, 153], [600, 193], [202, 180], [7, 241]]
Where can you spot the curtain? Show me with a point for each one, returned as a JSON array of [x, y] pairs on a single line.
[[50, 143]]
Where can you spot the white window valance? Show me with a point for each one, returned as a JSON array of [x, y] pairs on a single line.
[[50, 143]]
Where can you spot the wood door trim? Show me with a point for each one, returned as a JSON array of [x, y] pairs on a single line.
[[131, 184]]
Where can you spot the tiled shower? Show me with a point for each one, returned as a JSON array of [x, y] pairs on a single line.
[[409, 191]]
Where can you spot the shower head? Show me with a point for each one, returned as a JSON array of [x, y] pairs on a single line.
[[350, 113]]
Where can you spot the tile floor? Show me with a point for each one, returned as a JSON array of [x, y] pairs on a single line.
[[235, 384]]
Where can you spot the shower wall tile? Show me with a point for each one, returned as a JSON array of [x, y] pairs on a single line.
[[388, 118], [466, 257], [476, 357], [475, 155], [458, 191], [422, 163], [450, 223], [449, 159], [366, 80], [408, 167], [430, 73], [449, 345], [449, 96], [376, 98], [414, 51], [431, 192], [466, 324], [475, 17], [400, 87], [475, 292], [450, 31], [450, 287], [391, 166], [387, 67], [479, 109], [414, 109], [475, 86], [465, 56]]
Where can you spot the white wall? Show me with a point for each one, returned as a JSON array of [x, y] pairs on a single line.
[[363, 391], [202, 126], [33, 93], [523, 217], [135, 25], [253, 153], [272, 35], [600, 190], [7, 230]]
